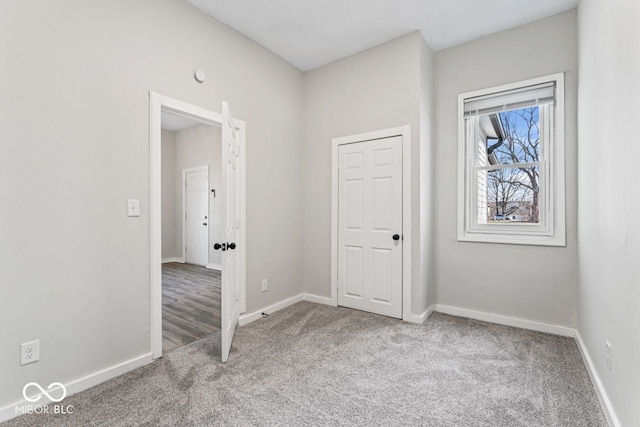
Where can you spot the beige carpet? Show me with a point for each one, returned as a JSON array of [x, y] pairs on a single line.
[[316, 365]]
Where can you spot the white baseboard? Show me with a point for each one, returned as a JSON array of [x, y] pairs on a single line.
[[419, 318], [166, 260], [214, 267], [245, 319], [81, 384], [318, 299], [605, 403], [252, 317], [506, 320]]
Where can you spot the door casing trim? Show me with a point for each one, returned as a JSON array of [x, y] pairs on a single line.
[[405, 133]]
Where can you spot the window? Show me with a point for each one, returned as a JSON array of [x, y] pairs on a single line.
[[511, 163]]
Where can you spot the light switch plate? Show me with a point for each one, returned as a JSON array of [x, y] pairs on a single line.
[[133, 207]]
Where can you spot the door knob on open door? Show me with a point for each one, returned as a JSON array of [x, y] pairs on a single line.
[[396, 237], [231, 245], [217, 246]]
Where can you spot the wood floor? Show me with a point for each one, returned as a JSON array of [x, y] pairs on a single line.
[[190, 303]]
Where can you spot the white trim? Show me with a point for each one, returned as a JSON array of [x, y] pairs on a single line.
[[334, 222], [174, 259], [242, 203], [552, 232], [405, 133], [155, 221], [605, 403], [420, 319], [252, 317], [214, 267], [505, 320], [157, 104], [183, 186], [80, 384], [319, 300]]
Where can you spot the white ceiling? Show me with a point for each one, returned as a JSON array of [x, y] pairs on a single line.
[[312, 33], [175, 123]]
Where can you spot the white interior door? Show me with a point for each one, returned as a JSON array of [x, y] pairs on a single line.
[[196, 215], [230, 182], [370, 226]]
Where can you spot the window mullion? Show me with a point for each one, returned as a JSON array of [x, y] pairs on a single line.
[[509, 166]]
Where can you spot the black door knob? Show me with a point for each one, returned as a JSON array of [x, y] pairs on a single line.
[[204, 223], [217, 246], [396, 237], [231, 245]]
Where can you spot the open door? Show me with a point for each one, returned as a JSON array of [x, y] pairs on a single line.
[[230, 182]]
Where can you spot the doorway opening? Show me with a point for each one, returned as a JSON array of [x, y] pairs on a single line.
[[197, 224], [191, 272]]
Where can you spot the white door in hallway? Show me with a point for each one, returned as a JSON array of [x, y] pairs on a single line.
[[370, 226], [230, 183], [196, 215]]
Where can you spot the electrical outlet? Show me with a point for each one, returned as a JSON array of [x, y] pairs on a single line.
[[265, 285], [607, 354], [29, 352]]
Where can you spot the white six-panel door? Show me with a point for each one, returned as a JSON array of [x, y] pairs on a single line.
[[196, 215], [369, 216], [230, 182]]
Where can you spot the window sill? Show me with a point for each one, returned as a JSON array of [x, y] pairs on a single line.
[[512, 239]]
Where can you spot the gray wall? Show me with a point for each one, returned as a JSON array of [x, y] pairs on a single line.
[[376, 89], [169, 247], [609, 235], [75, 137], [530, 282]]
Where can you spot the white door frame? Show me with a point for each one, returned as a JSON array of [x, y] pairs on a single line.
[[184, 208], [405, 133], [157, 104]]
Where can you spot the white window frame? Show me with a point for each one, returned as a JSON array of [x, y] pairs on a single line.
[[552, 229]]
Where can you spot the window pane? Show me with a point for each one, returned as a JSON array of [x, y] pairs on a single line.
[[509, 137], [509, 195]]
